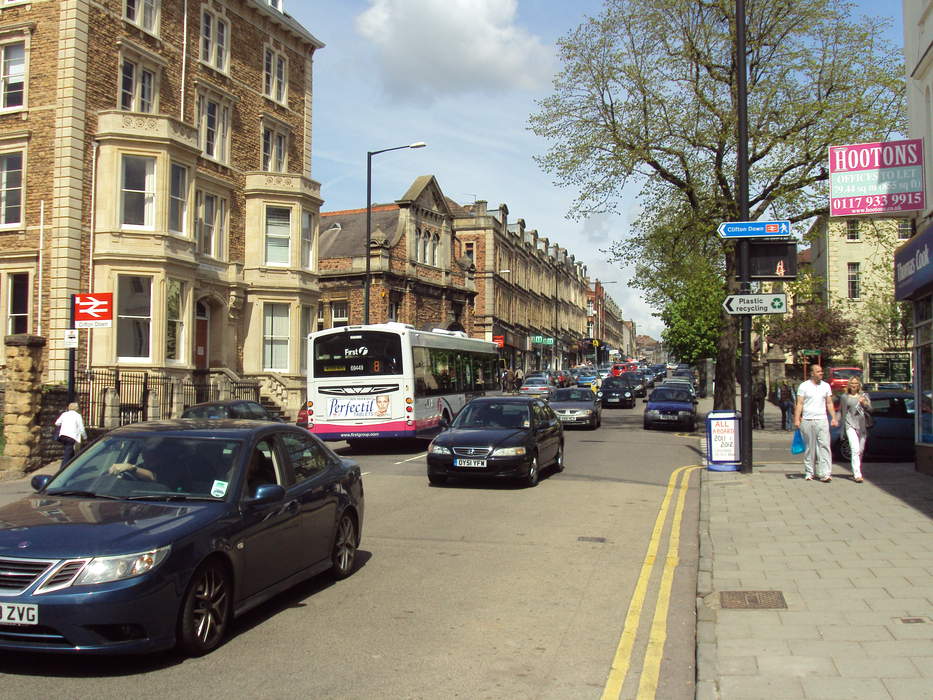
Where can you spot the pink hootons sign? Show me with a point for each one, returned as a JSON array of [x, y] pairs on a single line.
[[876, 178]]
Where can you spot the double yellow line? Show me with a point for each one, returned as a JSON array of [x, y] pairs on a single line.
[[651, 667]]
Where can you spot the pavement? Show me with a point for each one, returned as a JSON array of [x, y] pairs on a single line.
[[813, 590]]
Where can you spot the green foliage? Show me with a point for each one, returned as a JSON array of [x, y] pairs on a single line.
[[647, 95], [692, 320]]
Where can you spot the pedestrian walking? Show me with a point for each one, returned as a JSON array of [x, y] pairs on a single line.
[[759, 394], [70, 431], [855, 416], [814, 405], [785, 399]]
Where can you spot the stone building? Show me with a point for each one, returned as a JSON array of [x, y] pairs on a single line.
[[160, 150], [530, 293], [853, 259], [605, 325], [419, 273]]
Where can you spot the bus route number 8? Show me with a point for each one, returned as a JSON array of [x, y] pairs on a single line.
[[376, 366]]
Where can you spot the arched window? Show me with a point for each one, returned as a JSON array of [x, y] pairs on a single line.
[[417, 245], [426, 241], [435, 242]]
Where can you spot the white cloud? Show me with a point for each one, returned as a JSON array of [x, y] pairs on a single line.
[[432, 48]]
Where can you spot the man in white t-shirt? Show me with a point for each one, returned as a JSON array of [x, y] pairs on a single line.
[[812, 415]]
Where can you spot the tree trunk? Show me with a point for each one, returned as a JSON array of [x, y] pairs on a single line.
[[724, 395]]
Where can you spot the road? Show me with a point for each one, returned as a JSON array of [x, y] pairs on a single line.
[[472, 590]]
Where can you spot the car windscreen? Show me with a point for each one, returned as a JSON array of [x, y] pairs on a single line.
[[535, 381], [572, 395], [847, 373], [485, 415], [357, 354], [669, 395], [155, 466], [621, 382]]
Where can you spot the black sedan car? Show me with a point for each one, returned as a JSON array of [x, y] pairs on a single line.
[[617, 391], [670, 407], [576, 406], [159, 533], [237, 408], [501, 437], [891, 436]]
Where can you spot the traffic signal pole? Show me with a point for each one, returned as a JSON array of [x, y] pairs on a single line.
[[743, 247]]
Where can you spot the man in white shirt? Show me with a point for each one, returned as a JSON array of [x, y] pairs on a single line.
[[812, 413]]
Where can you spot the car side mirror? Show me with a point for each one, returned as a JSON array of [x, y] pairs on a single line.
[[40, 481], [266, 494], [444, 422]]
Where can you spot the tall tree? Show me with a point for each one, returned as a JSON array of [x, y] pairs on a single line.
[[647, 94], [817, 327]]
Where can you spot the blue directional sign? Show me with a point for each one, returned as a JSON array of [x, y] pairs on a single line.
[[754, 229]]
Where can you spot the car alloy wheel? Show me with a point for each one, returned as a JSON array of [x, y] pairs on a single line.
[[206, 611], [532, 479], [559, 461], [345, 544]]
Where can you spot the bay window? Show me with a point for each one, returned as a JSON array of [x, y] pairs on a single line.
[[275, 337], [278, 232], [138, 192], [134, 317]]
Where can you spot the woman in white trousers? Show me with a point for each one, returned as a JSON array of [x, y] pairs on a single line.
[[854, 406]]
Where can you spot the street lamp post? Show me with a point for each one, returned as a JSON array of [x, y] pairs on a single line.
[[369, 216]]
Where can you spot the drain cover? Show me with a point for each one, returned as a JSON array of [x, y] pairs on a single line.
[[752, 600], [601, 540], [912, 620]]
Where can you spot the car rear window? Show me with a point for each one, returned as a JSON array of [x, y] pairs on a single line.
[[212, 412]]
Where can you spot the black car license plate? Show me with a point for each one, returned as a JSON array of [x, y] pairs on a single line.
[[475, 463]]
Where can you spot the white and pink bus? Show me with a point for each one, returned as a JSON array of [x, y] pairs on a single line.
[[390, 380]]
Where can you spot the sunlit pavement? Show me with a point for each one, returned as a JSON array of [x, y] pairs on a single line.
[[813, 590]]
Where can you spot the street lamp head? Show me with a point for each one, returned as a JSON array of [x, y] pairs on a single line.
[[417, 144]]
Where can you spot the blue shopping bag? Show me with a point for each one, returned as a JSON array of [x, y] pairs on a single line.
[[797, 445]]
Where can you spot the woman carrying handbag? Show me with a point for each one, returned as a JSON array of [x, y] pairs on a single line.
[[855, 417]]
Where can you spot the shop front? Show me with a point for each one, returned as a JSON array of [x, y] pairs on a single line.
[[913, 282]]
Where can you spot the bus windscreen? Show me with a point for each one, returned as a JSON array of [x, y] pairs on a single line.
[[357, 354]]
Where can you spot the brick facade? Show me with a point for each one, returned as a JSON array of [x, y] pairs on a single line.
[[82, 60]]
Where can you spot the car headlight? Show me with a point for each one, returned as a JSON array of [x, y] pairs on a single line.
[[685, 414], [439, 449], [586, 413], [628, 394], [107, 569], [509, 451], [652, 412]]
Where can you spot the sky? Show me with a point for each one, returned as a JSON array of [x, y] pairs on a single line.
[[462, 76]]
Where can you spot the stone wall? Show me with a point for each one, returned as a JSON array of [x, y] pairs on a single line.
[[21, 428]]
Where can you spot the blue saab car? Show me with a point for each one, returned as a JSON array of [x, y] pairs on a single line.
[[671, 407], [158, 534]]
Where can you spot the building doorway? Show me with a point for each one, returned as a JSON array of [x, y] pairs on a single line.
[[202, 322]]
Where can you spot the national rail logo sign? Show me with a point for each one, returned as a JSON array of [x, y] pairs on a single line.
[[94, 310]]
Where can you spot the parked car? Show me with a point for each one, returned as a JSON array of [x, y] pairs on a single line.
[[891, 436], [617, 391], [237, 408], [671, 407], [577, 406], [838, 377], [159, 533], [511, 437], [537, 386]]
